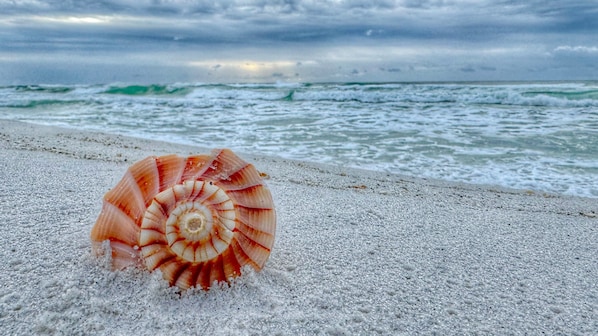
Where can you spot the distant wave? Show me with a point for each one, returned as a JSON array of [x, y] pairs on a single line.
[[41, 88], [35, 103], [374, 93], [143, 90]]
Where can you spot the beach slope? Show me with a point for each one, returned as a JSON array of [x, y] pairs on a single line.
[[356, 252]]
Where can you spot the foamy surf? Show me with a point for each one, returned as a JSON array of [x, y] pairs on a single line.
[[537, 136]]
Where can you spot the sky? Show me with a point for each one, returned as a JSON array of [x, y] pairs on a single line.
[[163, 41]]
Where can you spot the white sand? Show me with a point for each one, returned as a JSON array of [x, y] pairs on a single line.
[[356, 252]]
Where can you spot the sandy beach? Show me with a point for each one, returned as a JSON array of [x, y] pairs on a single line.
[[356, 252]]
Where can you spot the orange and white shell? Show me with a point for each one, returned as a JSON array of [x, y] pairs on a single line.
[[199, 219]]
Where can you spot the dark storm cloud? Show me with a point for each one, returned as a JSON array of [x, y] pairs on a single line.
[[298, 21], [424, 38]]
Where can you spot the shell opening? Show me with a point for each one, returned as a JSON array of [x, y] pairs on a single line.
[[194, 222], [191, 220]]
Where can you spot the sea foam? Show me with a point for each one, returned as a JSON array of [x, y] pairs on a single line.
[[539, 136]]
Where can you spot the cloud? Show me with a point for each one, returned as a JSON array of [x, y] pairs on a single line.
[[428, 40], [487, 68], [263, 21], [390, 69], [576, 49], [467, 69]]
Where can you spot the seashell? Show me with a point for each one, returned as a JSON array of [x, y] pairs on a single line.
[[199, 219]]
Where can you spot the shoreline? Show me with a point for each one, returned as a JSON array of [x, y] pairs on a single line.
[[94, 145], [356, 252]]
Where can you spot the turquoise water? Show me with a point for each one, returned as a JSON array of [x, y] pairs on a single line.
[[537, 136]]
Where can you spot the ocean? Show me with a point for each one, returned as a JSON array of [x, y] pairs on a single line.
[[541, 137]]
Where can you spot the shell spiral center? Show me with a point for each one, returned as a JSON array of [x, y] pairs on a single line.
[[191, 219], [197, 219], [195, 223]]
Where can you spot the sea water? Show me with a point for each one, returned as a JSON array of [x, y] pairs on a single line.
[[535, 136]]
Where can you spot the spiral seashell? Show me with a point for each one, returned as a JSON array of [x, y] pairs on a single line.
[[199, 219]]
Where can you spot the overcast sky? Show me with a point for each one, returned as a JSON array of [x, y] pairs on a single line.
[[68, 41]]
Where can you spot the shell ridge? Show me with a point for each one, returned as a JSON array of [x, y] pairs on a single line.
[[127, 196], [195, 276], [202, 168], [179, 271], [256, 252], [156, 211], [229, 159], [189, 251], [213, 246], [236, 170], [223, 162], [179, 192], [221, 221], [217, 198], [147, 178], [188, 277], [150, 237], [252, 207], [217, 274], [257, 197], [123, 255], [245, 166], [161, 262], [155, 228], [110, 222], [242, 256], [119, 241], [216, 241], [151, 215], [170, 170], [206, 252], [195, 190], [249, 238], [215, 195], [151, 249], [178, 239], [172, 269], [245, 177], [231, 266], [244, 188], [163, 207], [263, 220], [205, 192], [264, 238], [203, 277]]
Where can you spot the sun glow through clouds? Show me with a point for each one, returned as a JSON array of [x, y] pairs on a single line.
[[305, 40]]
